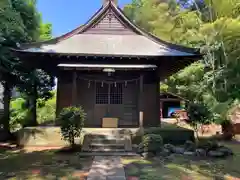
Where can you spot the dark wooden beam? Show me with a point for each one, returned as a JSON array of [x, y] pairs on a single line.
[[158, 120], [58, 96], [74, 88], [141, 103]]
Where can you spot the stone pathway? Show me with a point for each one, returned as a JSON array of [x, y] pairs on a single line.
[[107, 168]]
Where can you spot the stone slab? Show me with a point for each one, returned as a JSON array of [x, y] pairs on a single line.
[[108, 167], [107, 154], [119, 171], [116, 178], [97, 178]]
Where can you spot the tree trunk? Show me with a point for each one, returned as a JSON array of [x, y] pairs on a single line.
[[32, 103], [6, 112], [6, 102], [33, 111], [72, 141], [34, 115]]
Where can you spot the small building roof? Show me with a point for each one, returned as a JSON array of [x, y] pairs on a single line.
[[109, 32], [166, 95]]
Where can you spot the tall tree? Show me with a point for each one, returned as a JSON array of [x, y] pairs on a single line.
[[19, 23], [11, 32], [213, 26]]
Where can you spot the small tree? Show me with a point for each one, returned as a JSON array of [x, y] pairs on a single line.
[[151, 143], [198, 115], [71, 120]]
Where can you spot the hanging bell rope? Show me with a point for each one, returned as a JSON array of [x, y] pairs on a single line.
[[89, 84]]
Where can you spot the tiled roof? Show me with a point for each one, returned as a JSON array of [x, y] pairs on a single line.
[[136, 43], [109, 44]]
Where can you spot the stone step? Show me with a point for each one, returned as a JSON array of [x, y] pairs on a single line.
[[107, 137], [108, 141], [110, 146], [109, 153], [107, 150]]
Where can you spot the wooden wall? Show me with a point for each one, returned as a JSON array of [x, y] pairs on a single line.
[[128, 112], [109, 24], [151, 102]]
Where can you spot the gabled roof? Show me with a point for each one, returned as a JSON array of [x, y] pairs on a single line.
[[109, 32]]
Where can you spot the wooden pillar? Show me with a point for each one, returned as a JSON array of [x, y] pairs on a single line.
[[58, 97], [74, 89], [141, 103], [158, 106], [161, 110]]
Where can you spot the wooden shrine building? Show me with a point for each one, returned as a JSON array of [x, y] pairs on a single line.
[[110, 67]]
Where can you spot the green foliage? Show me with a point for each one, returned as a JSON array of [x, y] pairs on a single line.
[[176, 136], [151, 143], [198, 115], [211, 25], [18, 113], [20, 22], [46, 111], [71, 120], [45, 31]]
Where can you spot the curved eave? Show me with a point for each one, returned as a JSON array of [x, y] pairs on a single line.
[[64, 36], [193, 56], [52, 41]]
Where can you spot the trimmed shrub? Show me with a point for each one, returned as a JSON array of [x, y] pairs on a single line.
[[151, 143], [198, 114], [71, 121], [172, 136]]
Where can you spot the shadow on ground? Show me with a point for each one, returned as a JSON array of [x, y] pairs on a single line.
[[47, 164], [177, 167]]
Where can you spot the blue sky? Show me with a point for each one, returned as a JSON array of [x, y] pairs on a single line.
[[65, 15]]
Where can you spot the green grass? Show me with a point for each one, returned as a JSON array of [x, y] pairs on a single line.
[[41, 165], [177, 167]]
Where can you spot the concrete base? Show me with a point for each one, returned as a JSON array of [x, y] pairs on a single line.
[[42, 136], [51, 136]]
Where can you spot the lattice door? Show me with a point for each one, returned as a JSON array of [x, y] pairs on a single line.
[[109, 93]]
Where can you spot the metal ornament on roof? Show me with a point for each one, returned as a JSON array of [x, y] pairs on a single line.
[[109, 71], [110, 16]]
